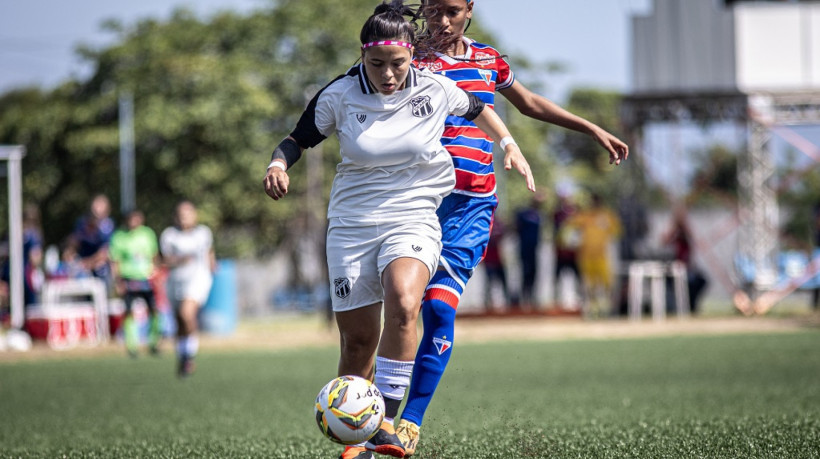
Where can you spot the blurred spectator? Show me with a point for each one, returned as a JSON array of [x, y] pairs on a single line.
[[91, 236], [566, 239], [528, 225], [32, 254], [679, 237], [635, 220], [33, 276], [68, 265], [494, 265], [134, 253], [599, 228]]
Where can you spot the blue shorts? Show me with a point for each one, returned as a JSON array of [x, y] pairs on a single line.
[[465, 233]]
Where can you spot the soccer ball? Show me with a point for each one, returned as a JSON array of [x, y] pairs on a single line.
[[349, 410]]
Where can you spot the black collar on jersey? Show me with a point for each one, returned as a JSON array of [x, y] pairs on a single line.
[[359, 72]]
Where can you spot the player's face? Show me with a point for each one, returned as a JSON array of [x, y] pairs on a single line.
[[387, 67], [186, 216], [448, 17]]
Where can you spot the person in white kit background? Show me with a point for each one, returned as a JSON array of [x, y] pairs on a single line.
[[187, 250], [384, 239]]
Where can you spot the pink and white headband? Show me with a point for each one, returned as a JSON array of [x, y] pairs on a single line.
[[403, 44]]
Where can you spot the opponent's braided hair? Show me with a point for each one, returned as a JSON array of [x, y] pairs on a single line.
[[392, 19]]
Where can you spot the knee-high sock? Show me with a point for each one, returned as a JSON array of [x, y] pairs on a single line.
[[154, 330], [392, 379], [131, 333], [187, 346], [438, 315]]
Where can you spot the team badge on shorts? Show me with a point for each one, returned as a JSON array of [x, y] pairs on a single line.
[[416, 248], [421, 106], [341, 286], [361, 117]]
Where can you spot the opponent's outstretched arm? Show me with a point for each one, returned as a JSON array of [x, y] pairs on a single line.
[[543, 109]]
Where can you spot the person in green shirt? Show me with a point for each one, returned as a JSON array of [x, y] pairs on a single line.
[[134, 253]]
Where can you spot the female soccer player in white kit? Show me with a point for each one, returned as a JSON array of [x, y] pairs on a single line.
[[187, 249], [384, 239]]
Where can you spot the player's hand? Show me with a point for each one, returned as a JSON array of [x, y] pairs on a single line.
[[276, 183], [618, 151], [513, 158]]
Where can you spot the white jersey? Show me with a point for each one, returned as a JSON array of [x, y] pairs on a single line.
[[393, 163], [195, 244]]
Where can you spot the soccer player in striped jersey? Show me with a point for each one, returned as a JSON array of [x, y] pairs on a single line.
[[466, 215], [384, 238]]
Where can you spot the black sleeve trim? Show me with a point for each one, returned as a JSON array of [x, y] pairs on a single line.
[[288, 151], [306, 134], [476, 107]]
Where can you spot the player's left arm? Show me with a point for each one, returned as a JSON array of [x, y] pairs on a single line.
[[543, 109]]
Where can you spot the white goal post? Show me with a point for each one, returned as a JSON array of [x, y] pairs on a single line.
[[13, 155]]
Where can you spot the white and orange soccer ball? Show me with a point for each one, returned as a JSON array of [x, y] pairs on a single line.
[[349, 410]]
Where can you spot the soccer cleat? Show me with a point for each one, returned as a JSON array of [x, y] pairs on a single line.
[[385, 441], [408, 433], [356, 452]]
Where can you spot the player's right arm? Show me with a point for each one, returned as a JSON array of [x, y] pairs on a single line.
[[276, 178], [316, 122]]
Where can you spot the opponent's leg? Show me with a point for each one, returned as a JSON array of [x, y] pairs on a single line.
[[438, 315]]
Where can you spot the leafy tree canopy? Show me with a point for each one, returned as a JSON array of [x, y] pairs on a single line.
[[212, 97]]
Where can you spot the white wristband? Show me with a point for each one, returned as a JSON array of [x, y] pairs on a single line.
[[278, 164], [506, 141]]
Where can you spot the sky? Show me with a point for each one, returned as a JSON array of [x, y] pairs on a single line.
[[589, 37]]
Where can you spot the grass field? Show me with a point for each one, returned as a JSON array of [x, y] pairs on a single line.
[[733, 396]]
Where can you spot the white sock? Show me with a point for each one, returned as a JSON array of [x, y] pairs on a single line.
[[392, 379], [193, 345], [182, 346]]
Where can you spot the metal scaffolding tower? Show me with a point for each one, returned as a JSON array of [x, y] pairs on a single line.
[[757, 197]]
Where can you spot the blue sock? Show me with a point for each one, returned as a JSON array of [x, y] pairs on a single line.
[[438, 315]]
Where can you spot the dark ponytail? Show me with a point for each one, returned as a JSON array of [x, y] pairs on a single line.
[[391, 20]]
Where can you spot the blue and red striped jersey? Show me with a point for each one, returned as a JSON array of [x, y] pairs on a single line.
[[481, 71]]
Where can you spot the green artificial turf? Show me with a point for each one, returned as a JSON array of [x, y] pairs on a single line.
[[716, 396]]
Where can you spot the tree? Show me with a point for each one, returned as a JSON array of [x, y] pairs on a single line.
[[212, 98]]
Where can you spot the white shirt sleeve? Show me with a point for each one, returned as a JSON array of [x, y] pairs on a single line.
[[325, 117], [457, 98]]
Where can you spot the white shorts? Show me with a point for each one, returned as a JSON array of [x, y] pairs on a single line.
[[358, 253], [196, 287]]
